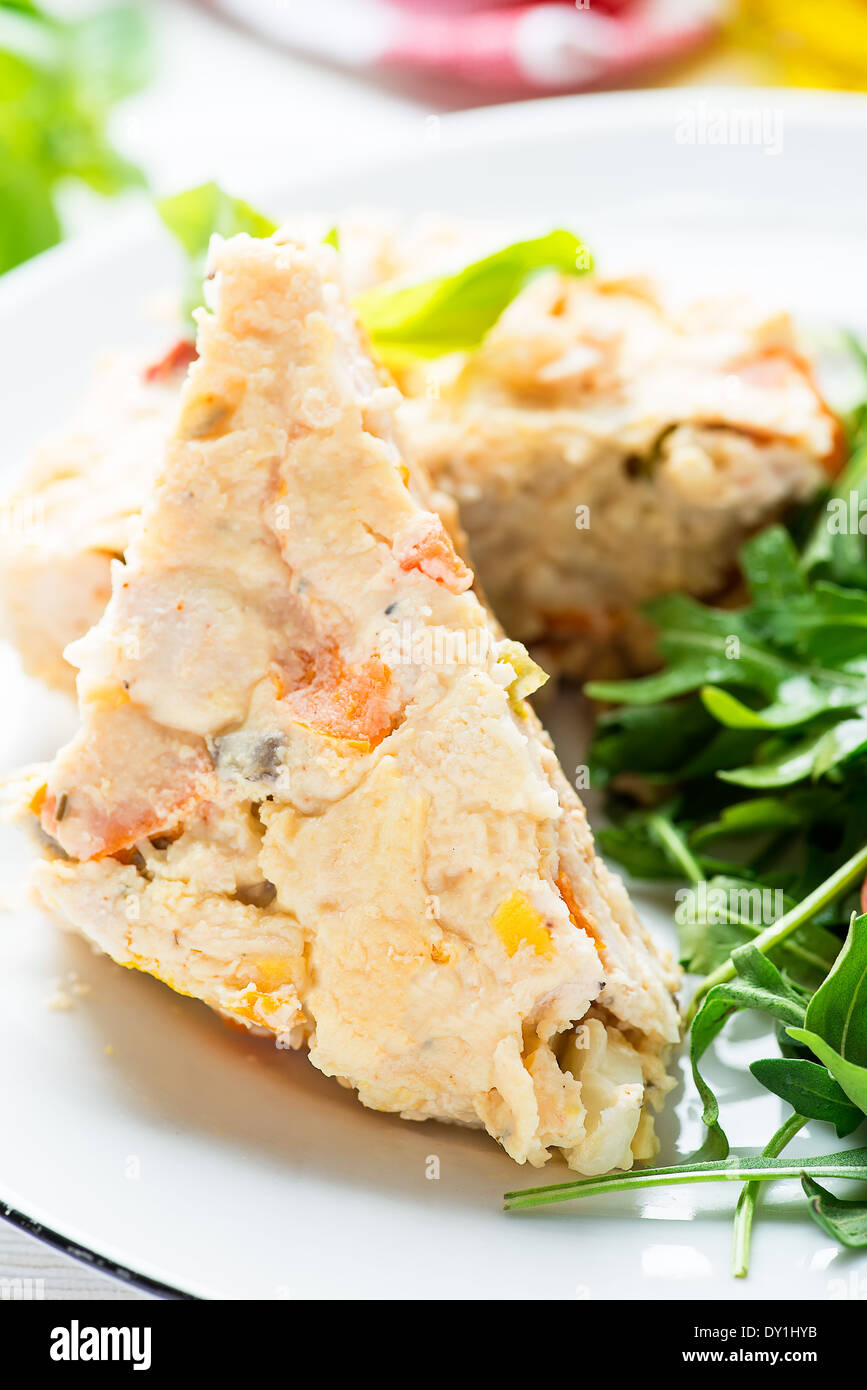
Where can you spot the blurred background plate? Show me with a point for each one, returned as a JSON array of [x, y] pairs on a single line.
[[133, 1122]]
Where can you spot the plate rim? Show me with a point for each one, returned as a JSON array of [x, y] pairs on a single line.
[[93, 1259], [473, 130]]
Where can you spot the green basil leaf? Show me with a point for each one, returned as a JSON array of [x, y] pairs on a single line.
[[196, 215], [58, 82], [453, 313], [30, 223]]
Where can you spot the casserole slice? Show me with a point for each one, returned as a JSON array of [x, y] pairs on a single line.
[[307, 788], [605, 449]]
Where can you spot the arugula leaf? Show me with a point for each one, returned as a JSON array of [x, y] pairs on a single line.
[[750, 818], [826, 625], [453, 313], [639, 855], [196, 215], [834, 552], [771, 566], [58, 82], [846, 740], [797, 700], [835, 1027], [809, 1090], [845, 1221], [838, 1011], [851, 1076], [783, 766], [760, 973], [763, 707], [760, 986]]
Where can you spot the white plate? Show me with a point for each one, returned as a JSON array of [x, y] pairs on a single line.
[[135, 1123]]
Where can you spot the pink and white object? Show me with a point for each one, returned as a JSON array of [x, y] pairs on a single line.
[[514, 44]]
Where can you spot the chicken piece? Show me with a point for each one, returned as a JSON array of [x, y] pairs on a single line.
[[307, 788]]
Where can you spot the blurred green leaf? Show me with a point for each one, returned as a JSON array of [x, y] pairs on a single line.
[[58, 82], [196, 215], [452, 313]]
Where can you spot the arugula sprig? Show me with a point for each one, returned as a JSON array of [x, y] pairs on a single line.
[[753, 736], [742, 764], [58, 82]]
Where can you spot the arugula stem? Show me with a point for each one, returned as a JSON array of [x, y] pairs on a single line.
[[827, 892], [746, 1207], [850, 1163], [674, 844]]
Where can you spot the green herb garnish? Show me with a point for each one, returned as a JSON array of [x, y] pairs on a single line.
[[196, 215], [448, 313], [453, 313]]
